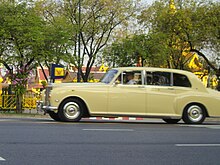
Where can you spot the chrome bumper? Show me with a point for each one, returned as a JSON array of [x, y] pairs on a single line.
[[41, 107]]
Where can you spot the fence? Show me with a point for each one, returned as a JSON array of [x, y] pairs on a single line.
[[8, 100]]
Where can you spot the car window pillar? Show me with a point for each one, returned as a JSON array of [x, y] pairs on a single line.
[[171, 79]]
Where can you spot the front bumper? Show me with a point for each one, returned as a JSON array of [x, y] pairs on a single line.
[[45, 108]]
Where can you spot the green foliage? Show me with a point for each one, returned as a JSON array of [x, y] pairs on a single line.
[[20, 35], [49, 31], [56, 33], [126, 52], [20, 39], [19, 81], [44, 83], [193, 26], [94, 24], [20, 31]]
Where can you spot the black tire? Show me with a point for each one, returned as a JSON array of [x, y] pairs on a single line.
[[54, 115], [171, 121], [71, 110], [194, 114]]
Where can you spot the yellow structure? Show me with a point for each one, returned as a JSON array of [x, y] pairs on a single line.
[[103, 68], [172, 6], [194, 64], [8, 101]]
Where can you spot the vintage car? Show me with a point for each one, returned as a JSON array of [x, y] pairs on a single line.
[[168, 94]]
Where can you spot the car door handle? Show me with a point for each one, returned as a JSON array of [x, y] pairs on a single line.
[[140, 86], [171, 88]]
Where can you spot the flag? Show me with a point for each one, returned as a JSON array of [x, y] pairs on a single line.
[[57, 71]]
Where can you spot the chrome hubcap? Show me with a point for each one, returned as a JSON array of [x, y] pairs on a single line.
[[71, 110], [195, 113]]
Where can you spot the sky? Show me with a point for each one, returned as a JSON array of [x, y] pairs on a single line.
[[148, 1]]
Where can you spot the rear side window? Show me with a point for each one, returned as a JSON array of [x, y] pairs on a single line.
[[158, 78], [181, 80]]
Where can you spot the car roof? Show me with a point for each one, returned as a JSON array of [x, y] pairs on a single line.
[[153, 69]]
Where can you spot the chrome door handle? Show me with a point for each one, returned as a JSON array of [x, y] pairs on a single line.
[[140, 86]]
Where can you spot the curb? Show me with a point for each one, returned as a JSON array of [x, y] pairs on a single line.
[[41, 115]]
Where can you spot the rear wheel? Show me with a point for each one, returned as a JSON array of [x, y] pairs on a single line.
[[71, 110], [54, 115], [194, 114], [171, 121]]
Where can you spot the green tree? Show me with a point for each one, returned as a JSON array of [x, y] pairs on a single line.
[[94, 22], [20, 40], [206, 36], [77, 30], [193, 26], [56, 44], [161, 19], [127, 51]]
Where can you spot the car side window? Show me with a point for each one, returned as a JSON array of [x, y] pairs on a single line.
[[107, 78], [181, 80], [129, 78], [158, 78]]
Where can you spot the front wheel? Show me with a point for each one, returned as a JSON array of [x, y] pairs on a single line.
[[54, 115], [71, 110], [194, 114]]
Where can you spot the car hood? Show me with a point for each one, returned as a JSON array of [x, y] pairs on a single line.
[[77, 85]]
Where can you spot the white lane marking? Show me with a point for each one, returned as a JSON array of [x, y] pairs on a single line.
[[197, 145], [203, 126], [7, 120], [214, 127], [128, 130], [2, 159]]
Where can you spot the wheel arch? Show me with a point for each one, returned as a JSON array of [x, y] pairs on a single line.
[[199, 104], [85, 107]]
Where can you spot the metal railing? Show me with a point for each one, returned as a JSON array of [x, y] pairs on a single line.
[[8, 101]]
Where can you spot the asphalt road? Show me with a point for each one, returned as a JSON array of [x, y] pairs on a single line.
[[44, 142]]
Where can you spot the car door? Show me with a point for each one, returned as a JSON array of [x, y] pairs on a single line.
[[160, 94], [127, 99]]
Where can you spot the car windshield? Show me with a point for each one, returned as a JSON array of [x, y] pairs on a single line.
[[107, 78]]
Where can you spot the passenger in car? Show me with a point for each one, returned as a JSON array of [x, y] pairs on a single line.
[[130, 78], [156, 80]]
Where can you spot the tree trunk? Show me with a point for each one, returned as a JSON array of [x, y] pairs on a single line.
[[19, 103]]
